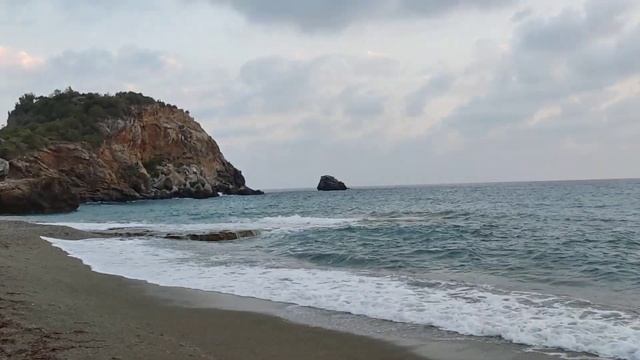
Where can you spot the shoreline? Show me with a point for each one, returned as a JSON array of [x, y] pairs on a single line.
[[81, 313], [55, 307]]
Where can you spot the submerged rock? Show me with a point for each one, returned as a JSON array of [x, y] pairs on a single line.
[[329, 183], [215, 236], [222, 235]]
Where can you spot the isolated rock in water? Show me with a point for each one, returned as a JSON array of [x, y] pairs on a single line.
[[4, 169], [124, 147], [38, 195], [329, 183]]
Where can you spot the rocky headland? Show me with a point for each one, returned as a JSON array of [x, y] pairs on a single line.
[[68, 148]]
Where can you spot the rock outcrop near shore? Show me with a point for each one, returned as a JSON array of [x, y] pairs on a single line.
[[40, 195], [4, 169], [207, 236], [144, 149], [329, 183]]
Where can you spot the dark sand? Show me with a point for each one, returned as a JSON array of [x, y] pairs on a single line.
[[53, 307]]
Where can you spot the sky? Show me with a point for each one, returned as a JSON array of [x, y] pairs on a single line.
[[374, 92]]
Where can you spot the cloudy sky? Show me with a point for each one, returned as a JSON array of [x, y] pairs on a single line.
[[376, 92]]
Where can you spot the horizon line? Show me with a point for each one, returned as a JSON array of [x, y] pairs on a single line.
[[461, 183]]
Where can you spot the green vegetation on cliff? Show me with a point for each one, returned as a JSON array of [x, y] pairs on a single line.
[[37, 121]]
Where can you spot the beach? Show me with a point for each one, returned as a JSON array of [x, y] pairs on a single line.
[[54, 307]]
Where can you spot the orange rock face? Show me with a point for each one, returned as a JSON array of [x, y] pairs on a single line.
[[159, 151]]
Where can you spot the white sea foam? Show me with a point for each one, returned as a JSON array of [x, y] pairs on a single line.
[[279, 223], [526, 318]]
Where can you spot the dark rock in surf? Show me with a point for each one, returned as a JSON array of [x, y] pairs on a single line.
[[329, 183], [214, 236], [222, 235]]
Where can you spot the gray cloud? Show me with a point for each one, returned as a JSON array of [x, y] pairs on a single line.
[[88, 70], [330, 15], [521, 15], [127, 64], [273, 84], [417, 100], [359, 103], [572, 29], [66, 12], [553, 60], [327, 85]]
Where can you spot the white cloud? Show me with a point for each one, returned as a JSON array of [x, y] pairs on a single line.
[[20, 59], [626, 89], [545, 114]]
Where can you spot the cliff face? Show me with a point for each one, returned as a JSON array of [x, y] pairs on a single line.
[[155, 151]]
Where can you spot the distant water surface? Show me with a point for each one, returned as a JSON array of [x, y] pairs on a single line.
[[546, 264]]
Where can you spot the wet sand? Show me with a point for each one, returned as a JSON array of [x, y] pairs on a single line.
[[54, 307]]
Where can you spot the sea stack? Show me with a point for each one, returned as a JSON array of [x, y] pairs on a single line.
[[71, 147], [330, 183]]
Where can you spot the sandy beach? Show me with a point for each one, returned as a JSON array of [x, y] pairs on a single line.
[[54, 307]]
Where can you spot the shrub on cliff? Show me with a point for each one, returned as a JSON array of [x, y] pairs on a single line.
[[68, 115]]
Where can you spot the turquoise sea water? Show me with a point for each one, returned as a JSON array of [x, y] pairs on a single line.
[[546, 264]]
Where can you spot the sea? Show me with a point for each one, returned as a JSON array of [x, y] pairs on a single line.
[[553, 267]]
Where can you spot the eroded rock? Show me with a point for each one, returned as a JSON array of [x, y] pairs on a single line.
[[329, 183], [4, 169], [37, 195]]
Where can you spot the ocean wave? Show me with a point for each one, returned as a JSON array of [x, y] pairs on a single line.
[[276, 223], [520, 317]]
